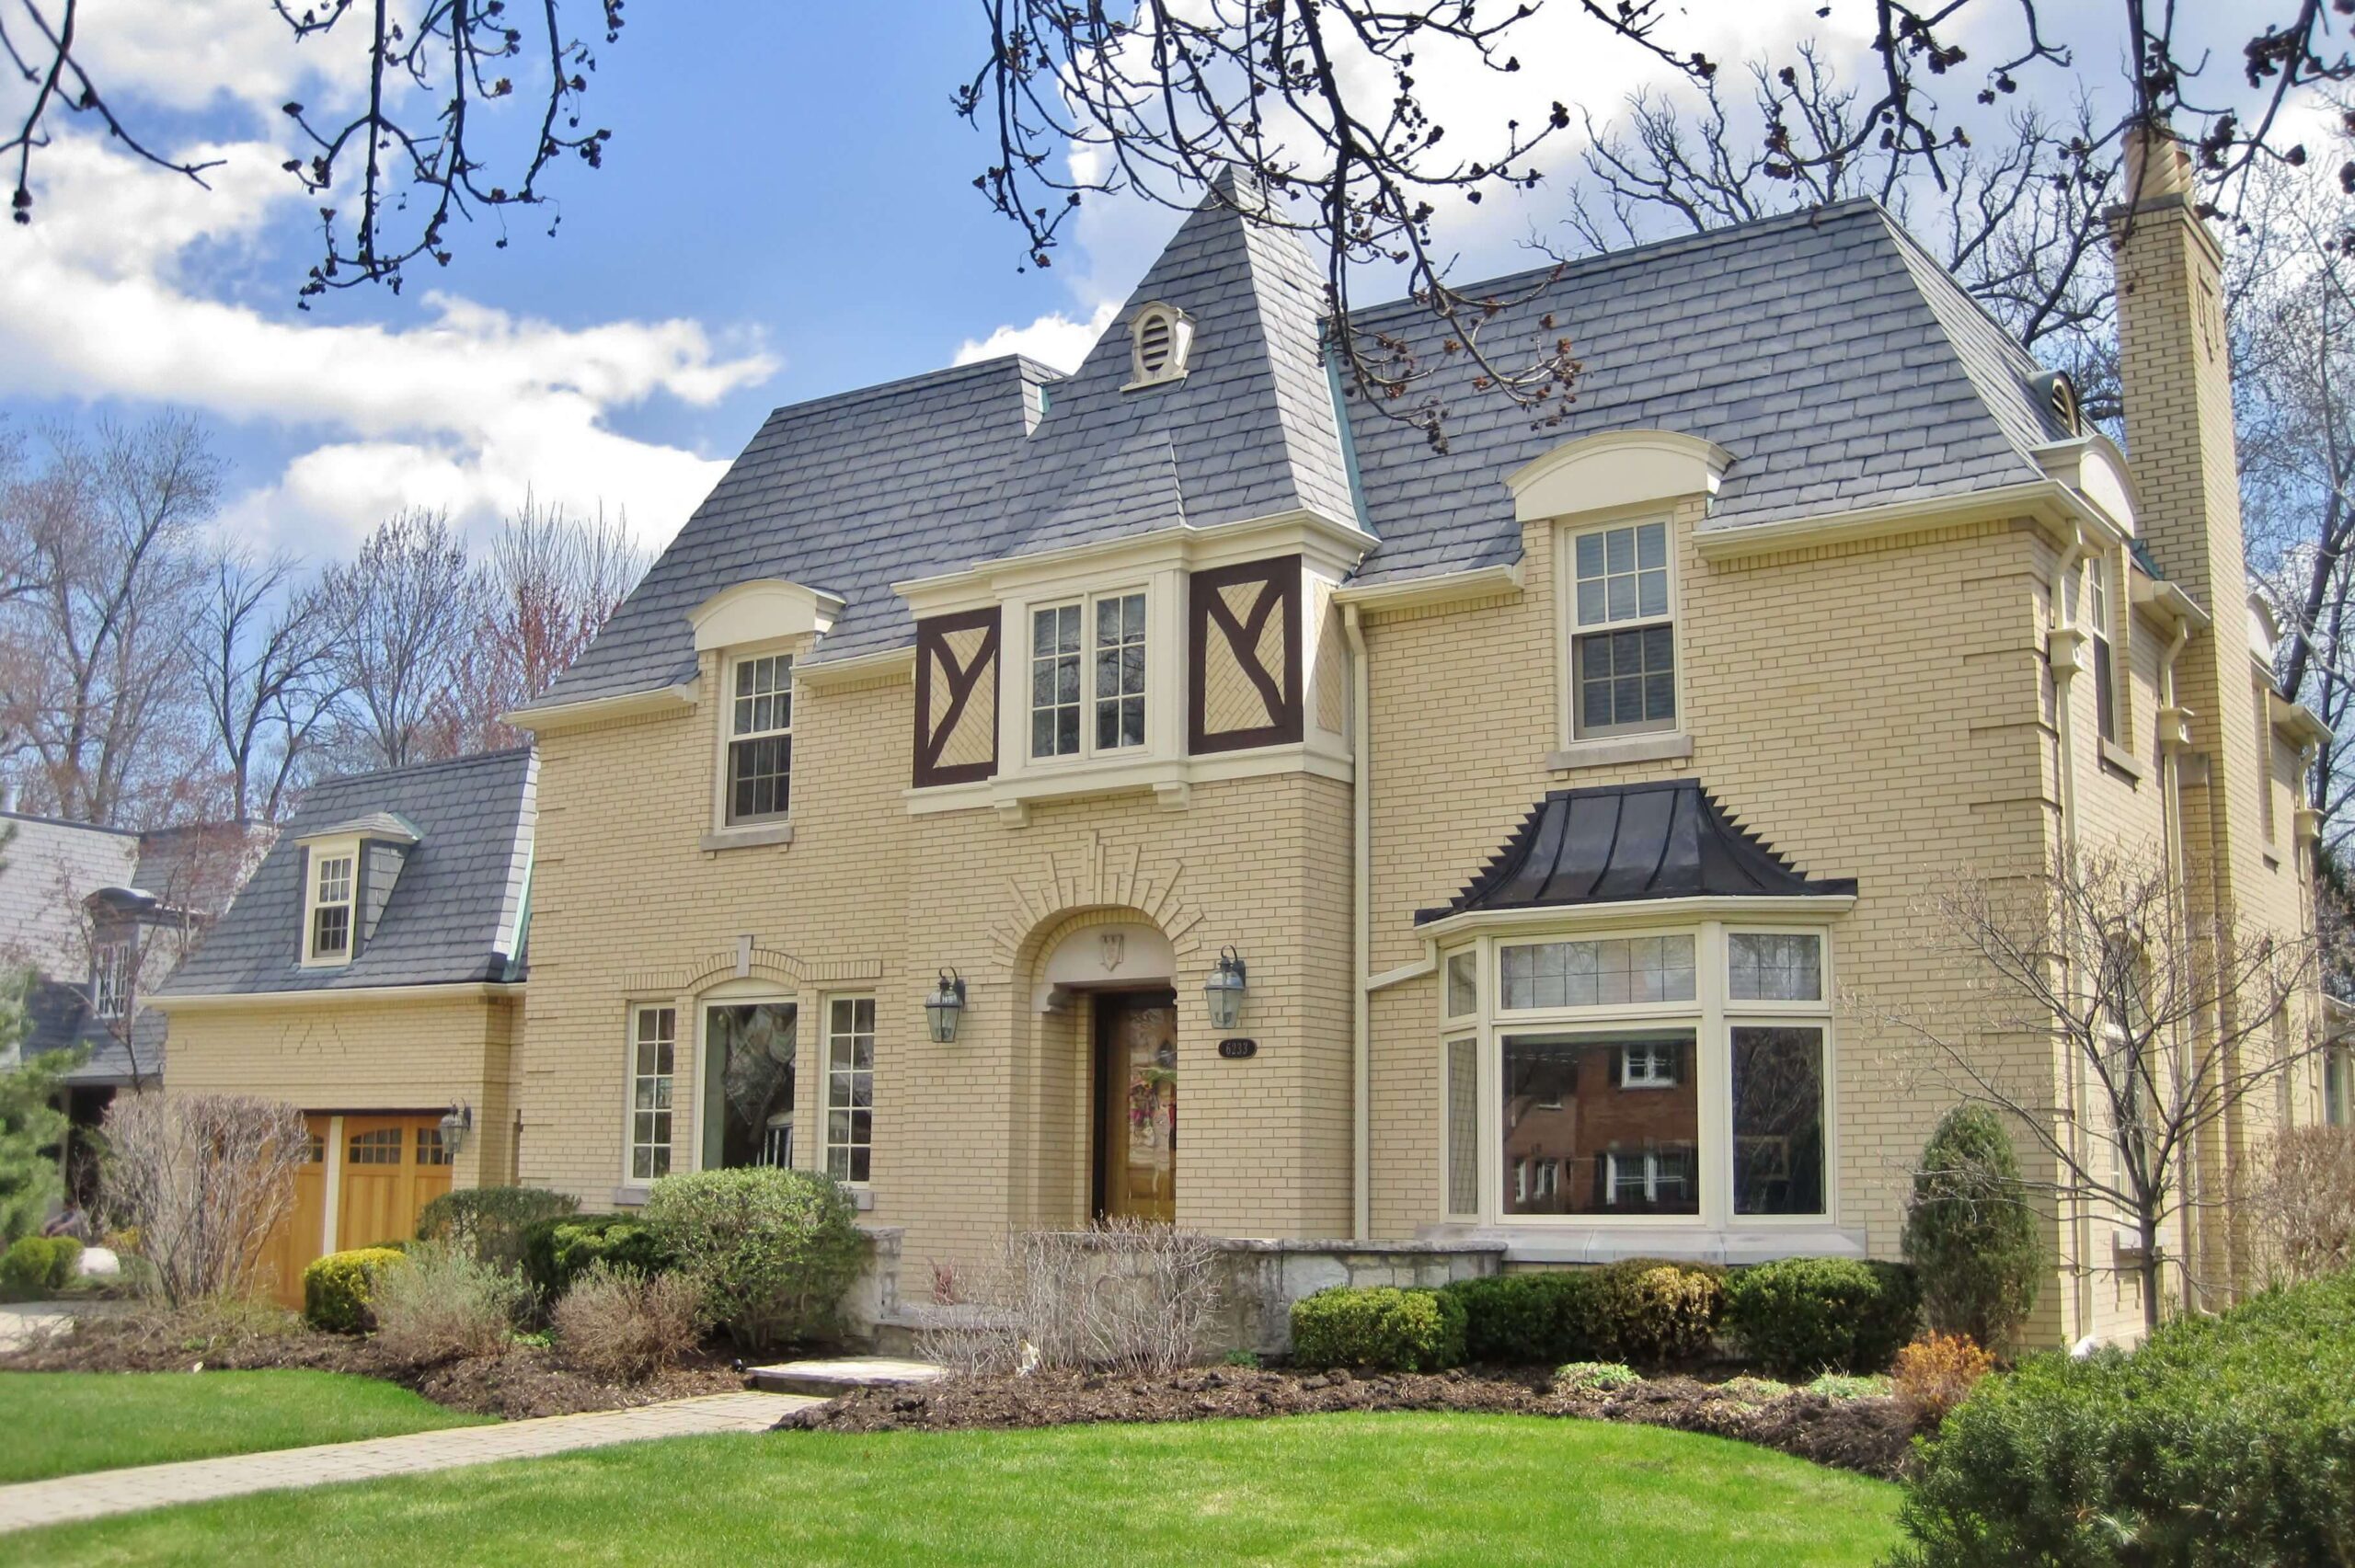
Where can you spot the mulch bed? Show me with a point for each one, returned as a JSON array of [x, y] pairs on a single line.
[[1873, 1436], [528, 1380]]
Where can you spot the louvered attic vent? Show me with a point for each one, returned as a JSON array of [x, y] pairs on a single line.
[[2061, 400], [1160, 336]]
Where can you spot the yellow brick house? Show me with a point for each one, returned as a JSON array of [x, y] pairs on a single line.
[[1177, 789]]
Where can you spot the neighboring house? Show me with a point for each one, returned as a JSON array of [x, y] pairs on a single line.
[[371, 973], [1004, 775], [100, 917]]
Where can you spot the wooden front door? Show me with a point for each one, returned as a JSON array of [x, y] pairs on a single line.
[[393, 1166], [1136, 1105]]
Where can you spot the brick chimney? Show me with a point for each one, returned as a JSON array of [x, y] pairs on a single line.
[[2177, 381]]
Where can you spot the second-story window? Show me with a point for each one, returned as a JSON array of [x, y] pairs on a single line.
[[1623, 646], [330, 923], [1087, 662], [2098, 627], [760, 739], [110, 979]]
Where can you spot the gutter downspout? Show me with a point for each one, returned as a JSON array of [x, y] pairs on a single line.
[[2065, 741], [2171, 739], [1360, 929]]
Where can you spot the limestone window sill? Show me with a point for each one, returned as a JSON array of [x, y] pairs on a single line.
[[1672, 745], [1612, 1244], [748, 837], [2113, 755]]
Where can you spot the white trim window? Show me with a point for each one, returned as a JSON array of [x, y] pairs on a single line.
[[759, 783], [1678, 1077], [327, 914], [653, 1060], [2105, 665], [1622, 631], [113, 968], [850, 1087], [1074, 713]]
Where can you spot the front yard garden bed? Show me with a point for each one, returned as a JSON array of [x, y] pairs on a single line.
[[1869, 1435], [523, 1380]]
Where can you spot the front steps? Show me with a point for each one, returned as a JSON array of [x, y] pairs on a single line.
[[826, 1377]]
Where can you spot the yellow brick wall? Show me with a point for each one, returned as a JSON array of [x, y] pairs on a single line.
[[989, 1131], [422, 1051], [1871, 711]]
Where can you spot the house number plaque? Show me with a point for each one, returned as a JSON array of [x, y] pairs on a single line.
[[1236, 1050]]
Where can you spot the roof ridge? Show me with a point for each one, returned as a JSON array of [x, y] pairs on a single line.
[[1905, 237], [1604, 261], [69, 822], [405, 769], [834, 402]]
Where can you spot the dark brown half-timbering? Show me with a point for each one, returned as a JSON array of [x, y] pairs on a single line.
[[1243, 643], [956, 698]]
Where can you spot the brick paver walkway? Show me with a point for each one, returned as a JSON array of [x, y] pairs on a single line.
[[32, 1502]]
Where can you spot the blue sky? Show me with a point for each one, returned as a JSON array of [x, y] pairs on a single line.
[[785, 210]]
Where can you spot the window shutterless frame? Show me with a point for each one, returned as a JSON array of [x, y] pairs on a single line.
[[331, 903], [2097, 623], [1783, 1027], [1617, 583], [1085, 676], [756, 739]]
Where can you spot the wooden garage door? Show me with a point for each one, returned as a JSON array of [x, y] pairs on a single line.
[[393, 1166], [298, 1238]]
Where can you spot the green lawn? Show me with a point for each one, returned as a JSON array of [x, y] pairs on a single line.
[[1337, 1489], [67, 1423]]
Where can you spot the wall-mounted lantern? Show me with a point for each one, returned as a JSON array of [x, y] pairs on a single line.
[[457, 1123], [945, 1006], [1224, 990]]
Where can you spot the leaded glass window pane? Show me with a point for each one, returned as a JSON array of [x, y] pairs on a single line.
[[1612, 970], [1774, 967]]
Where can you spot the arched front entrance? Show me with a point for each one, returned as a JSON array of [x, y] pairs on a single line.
[[1106, 978]]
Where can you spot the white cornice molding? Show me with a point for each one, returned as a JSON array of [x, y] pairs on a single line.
[[222, 1002], [1328, 545], [1434, 592], [657, 700], [2095, 470], [2297, 722], [2053, 507], [1809, 907], [1617, 469], [819, 673]]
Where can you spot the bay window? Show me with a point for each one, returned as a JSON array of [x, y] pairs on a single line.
[[1667, 1077]]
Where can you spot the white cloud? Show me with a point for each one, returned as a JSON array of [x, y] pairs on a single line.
[[465, 409], [1053, 339]]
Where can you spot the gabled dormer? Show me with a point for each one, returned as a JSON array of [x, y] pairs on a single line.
[[348, 872]]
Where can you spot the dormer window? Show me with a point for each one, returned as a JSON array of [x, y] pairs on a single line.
[[326, 919], [2060, 395], [1159, 338]]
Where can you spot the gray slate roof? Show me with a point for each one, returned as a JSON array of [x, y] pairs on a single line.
[[1835, 360], [450, 912]]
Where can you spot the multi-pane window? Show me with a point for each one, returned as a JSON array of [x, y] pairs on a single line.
[[1622, 648], [1593, 973], [1608, 1081], [654, 1054], [760, 739], [1774, 967], [1119, 672], [377, 1146], [1106, 635], [2097, 624], [110, 979], [331, 876], [430, 1148], [850, 1087]]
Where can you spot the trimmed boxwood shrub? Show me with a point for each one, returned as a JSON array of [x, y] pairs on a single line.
[[35, 1263], [2220, 1440], [489, 1222], [557, 1252], [773, 1250], [1645, 1311], [1378, 1328], [337, 1288], [1801, 1316]]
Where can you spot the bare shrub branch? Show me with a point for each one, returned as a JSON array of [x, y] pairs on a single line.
[[204, 1179]]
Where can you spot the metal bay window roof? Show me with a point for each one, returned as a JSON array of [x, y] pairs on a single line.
[[1620, 843]]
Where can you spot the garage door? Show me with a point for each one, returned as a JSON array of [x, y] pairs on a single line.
[[382, 1171]]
